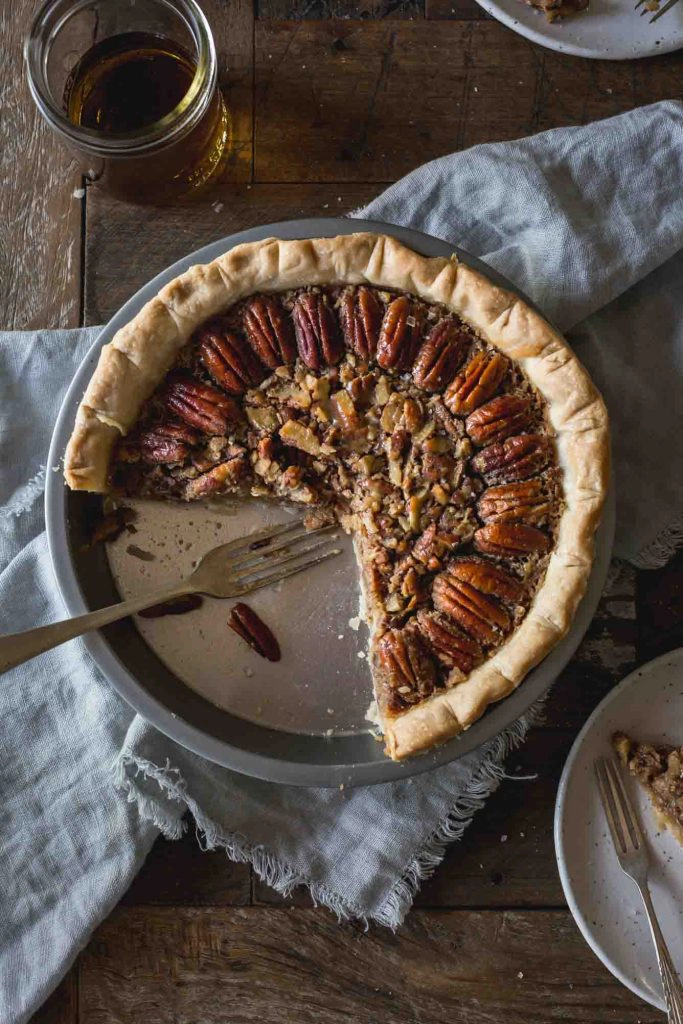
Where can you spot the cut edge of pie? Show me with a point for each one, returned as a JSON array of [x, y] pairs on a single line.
[[143, 352], [659, 770]]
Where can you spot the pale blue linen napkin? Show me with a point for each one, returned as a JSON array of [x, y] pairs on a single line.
[[573, 216]]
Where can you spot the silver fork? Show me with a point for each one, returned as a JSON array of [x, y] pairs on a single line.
[[667, 7], [633, 859], [230, 570]]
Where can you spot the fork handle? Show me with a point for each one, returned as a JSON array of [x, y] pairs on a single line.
[[673, 992], [16, 648]]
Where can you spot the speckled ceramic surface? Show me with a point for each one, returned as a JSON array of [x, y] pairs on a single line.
[[648, 704], [608, 29]]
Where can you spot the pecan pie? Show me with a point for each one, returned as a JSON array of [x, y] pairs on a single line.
[[437, 417], [659, 770]]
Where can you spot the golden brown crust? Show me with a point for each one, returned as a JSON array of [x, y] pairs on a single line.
[[141, 353]]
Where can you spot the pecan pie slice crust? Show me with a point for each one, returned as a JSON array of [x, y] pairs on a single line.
[[436, 416]]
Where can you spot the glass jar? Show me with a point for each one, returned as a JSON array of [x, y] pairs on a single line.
[[131, 87]]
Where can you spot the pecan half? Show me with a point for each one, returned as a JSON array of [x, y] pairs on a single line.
[[450, 645], [514, 459], [269, 331], [229, 359], [247, 624], [399, 335], [432, 544], [409, 669], [478, 614], [487, 578], [361, 317], [317, 333], [200, 405], [440, 355], [510, 540], [167, 443], [527, 501], [220, 478], [476, 383], [498, 419], [176, 606]]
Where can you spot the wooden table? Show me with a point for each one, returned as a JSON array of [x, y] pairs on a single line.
[[326, 113]]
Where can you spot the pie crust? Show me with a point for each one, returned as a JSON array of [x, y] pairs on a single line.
[[142, 353], [659, 770]]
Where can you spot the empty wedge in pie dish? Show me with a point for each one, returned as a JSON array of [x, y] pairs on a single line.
[[434, 415]]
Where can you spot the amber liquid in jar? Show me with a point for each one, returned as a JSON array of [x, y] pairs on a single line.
[[130, 83]]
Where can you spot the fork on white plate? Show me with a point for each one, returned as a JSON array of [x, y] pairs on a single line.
[[633, 858]]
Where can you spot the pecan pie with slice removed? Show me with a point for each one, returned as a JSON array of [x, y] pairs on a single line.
[[659, 770], [435, 416]]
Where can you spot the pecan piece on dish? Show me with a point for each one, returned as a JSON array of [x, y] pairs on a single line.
[[253, 630], [476, 383], [200, 405], [478, 614], [450, 645], [167, 443], [229, 359], [317, 332], [269, 331], [498, 419], [361, 317], [440, 355], [222, 477], [510, 540], [409, 668], [399, 335], [527, 501], [514, 459], [487, 578]]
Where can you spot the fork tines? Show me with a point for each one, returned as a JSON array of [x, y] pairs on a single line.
[[623, 823]]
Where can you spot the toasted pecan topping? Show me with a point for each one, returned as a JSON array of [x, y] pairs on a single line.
[[229, 359], [166, 443], [498, 419], [487, 578], [269, 331], [527, 502], [399, 335], [317, 333], [478, 614], [514, 459], [510, 540], [440, 355], [200, 405], [409, 669], [361, 317], [450, 645], [476, 383]]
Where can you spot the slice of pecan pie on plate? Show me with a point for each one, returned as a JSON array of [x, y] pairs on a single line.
[[434, 415], [659, 770]]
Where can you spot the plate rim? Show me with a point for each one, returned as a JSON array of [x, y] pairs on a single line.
[[261, 765], [493, 8], [631, 679]]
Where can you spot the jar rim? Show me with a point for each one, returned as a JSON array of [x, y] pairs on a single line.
[[176, 123]]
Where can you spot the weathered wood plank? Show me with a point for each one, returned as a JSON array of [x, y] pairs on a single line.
[[285, 10], [660, 609], [181, 873], [164, 965], [62, 1006], [127, 245], [40, 219], [452, 10], [232, 25]]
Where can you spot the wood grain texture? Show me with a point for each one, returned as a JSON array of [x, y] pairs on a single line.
[[118, 263], [181, 873], [280, 966], [453, 10], [318, 9], [62, 1006], [232, 24], [660, 609], [40, 219]]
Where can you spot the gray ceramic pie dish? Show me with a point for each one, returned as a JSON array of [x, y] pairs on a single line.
[[140, 677]]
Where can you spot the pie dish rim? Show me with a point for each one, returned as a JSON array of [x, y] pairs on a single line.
[[413, 238]]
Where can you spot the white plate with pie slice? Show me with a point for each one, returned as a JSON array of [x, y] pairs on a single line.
[[647, 705], [607, 29]]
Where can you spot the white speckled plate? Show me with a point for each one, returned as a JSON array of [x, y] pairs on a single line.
[[608, 29], [648, 704]]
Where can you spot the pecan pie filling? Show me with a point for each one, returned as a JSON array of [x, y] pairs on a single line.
[[393, 417]]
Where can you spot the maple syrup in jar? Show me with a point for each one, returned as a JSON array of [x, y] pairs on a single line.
[[132, 86]]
